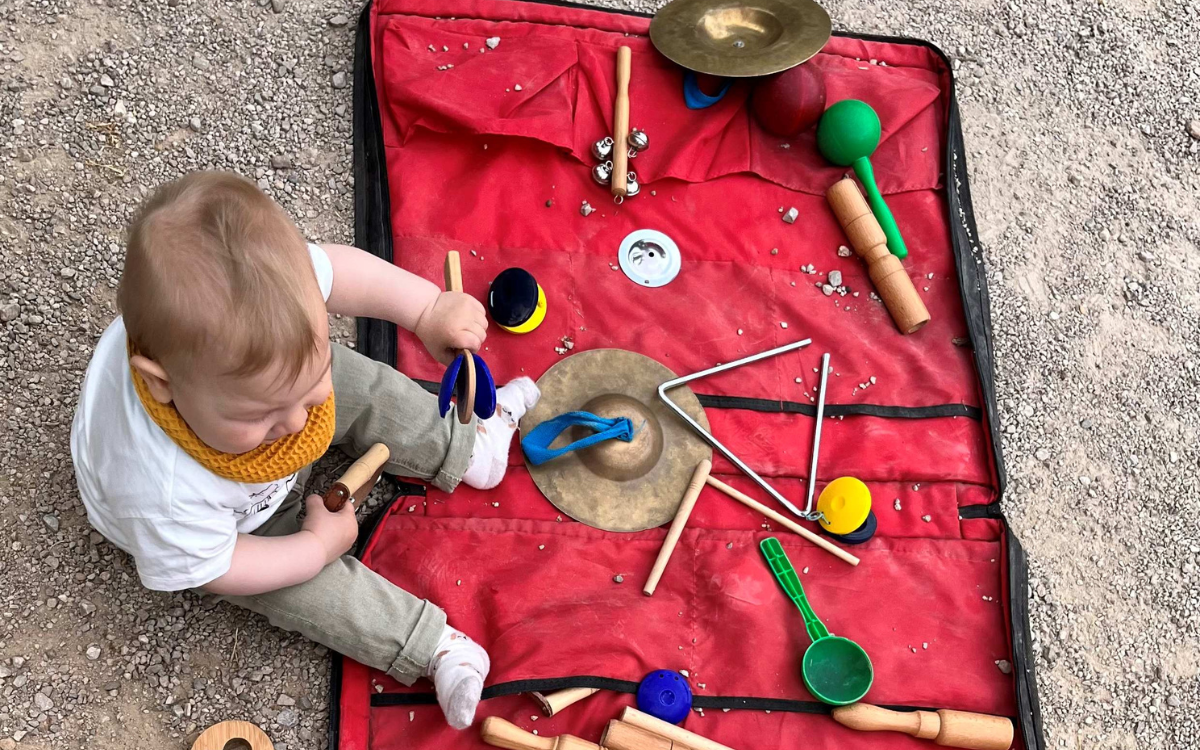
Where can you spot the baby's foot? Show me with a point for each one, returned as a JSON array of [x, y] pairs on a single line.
[[494, 435], [459, 667]]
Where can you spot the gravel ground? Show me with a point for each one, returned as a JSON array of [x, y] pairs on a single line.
[[1085, 177]]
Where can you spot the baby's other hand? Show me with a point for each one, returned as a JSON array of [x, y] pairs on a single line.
[[455, 321], [337, 531]]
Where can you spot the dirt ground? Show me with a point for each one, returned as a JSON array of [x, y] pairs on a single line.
[[1085, 178]]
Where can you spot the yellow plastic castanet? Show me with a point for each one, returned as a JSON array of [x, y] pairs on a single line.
[[845, 504]]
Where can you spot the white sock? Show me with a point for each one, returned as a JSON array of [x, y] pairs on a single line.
[[494, 435], [458, 669]]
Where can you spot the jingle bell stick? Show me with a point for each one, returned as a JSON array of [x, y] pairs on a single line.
[[886, 271], [621, 123]]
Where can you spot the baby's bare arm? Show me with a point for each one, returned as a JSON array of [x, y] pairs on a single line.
[[268, 563], [367, 286]]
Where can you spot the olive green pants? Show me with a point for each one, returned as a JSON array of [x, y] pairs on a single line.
[[348, 607]]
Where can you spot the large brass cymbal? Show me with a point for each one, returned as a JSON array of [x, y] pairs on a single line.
[[614, 485], [740, 38]]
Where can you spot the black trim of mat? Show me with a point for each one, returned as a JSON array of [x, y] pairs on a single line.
[[372, 220], [378, 339], [831, 410]]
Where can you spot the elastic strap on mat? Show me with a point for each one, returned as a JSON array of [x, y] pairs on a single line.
[[516, 687]]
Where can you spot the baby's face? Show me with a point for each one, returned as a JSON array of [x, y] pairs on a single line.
[[235, 414]]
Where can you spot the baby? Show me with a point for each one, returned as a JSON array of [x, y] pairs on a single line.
[[208, 400]]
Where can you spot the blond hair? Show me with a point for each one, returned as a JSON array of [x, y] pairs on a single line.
[[215, 270]]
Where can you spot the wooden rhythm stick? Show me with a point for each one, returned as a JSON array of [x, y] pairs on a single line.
[[681, 738], [554, 702], [681, 519], [621, 736], [453, 273], [500, 733], [356, 483], [621, 123], [886, 271], [784, 521], [944, 727], [218, 736]]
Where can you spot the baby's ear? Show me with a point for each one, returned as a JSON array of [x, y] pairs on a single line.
[[157, 380]]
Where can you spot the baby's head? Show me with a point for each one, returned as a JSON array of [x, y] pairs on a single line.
[[224, 314]]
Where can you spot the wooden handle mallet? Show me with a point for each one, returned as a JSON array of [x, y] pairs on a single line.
[[681, 519], [944, 727], [454, 283], [500, 733], [228, 733], [354, 485], [886, 271], [621, 123], [682, 738], [783, 520]]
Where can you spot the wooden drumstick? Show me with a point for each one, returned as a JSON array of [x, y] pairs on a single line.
[[357, 481], [944, 727], [682, 738], [554, 702], [454, 283], [218, 736], [621, 123], [500, 733], [681, 519], [886, 271], [784, 521]]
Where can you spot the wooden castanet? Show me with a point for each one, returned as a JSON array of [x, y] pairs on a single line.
[[500, 733], [784, 521], [356, 483], [681, 519], [621, 123], [682, 738], [453, 274], [886, 271], [218, 736], [945, 727], [621, 736], [554, 702]]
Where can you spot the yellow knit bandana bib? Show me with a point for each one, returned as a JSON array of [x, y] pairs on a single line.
[[266, 463]]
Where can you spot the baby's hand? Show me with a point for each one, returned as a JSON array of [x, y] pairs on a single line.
[[454, 321], [337, 531]]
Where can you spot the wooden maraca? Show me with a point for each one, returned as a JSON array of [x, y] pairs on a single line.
[[886, 271]]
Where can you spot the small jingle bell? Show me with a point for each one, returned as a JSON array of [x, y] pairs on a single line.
[[639, 140], [602, 173], [632, 187], [602, 149]]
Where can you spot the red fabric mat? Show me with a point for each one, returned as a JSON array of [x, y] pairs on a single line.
[[498, 174]]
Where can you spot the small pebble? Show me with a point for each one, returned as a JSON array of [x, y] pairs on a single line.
[[791, 215], [619, 578], [827, 290], [1004, 665], [516, 87], [835, 278], [844, 252], [774, 251], [896, 504], [926, 518], [492, 42]]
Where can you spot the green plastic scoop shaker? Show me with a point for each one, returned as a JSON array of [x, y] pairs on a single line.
[[836, 670], [847, 136]]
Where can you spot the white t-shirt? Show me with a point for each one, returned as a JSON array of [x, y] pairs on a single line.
[[176, 518]]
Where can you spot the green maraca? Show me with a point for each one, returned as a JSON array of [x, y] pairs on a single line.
[[847, 136]]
